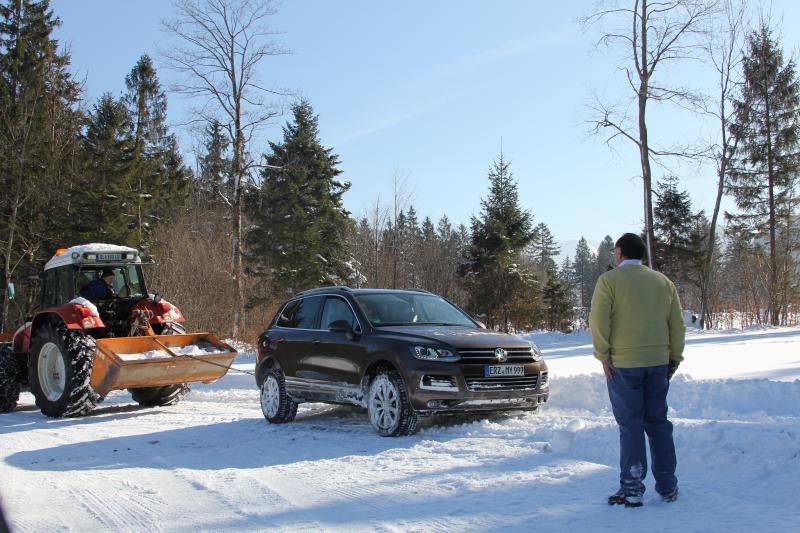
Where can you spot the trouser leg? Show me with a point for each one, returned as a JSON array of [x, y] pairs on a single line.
[[626, 392], [659, 429]]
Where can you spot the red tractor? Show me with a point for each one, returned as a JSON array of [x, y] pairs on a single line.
[[100, 330]]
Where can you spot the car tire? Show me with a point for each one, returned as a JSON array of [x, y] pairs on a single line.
[[389, 409], [60, 371], [9, 379], [168, 394], [277, 406]]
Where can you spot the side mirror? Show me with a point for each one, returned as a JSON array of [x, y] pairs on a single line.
[[157, 298], [11, 291], [342, 326]]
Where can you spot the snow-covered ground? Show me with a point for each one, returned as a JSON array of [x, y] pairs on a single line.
[[212, 463]]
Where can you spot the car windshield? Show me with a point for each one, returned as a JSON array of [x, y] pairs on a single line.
[[410, 309]]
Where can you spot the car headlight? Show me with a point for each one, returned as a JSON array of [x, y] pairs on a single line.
[[431, 353], [537, 353]]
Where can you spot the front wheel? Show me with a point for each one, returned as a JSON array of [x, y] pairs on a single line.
[[60, 371], [9, 379], [277, 406], [168, 394], [388, 406]]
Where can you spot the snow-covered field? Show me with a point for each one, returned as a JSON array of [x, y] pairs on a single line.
[[213, 463]]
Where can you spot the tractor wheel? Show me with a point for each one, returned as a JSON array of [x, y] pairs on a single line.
[[60, 371], [168, 394], [9, 379]]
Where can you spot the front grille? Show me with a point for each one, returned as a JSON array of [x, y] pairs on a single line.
[[503, 383], [515, 355]]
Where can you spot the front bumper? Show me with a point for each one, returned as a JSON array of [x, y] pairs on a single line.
[[470, 391]]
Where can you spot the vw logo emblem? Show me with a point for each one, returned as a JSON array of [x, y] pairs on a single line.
[[501, 355]]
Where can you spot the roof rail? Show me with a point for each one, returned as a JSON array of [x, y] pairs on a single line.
[[416, 289], [323, 289]]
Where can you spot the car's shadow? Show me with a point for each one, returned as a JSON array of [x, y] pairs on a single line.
[[244, 443]]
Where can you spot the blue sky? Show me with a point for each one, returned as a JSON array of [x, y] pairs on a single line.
[[427, 90]]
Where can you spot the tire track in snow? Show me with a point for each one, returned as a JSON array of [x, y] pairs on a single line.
[[138, 511]]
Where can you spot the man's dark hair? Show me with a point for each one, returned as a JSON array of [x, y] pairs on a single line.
[[631, 246]]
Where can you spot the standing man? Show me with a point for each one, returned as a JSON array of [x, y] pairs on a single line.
[[638, 335]]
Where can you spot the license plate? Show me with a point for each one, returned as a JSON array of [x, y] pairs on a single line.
[[109, 257], [503, 370]]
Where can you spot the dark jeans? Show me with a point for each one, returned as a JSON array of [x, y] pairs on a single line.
[[639, 401]]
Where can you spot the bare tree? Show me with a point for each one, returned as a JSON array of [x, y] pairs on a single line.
[[401, 197], [725, 53], [222, 44], [652, 34]]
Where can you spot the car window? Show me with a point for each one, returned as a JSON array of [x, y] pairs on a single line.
[[300, 313], [337, 309]]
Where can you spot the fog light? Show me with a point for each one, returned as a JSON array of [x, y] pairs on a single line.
[[432, 404]]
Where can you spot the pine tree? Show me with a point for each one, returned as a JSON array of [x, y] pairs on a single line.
[[673, 225], [583, 268], [492, 269], [764, 171], [160, 179], [604, 259], [104, 208], [556, 302], [300, 226], [543, 249], [214, 183], [39, 123]]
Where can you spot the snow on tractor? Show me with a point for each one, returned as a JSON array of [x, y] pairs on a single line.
[[99, 330]]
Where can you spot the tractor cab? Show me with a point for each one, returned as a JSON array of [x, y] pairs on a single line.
[[69, 275]]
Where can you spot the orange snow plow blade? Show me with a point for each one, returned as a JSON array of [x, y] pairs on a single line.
[[155, 361]]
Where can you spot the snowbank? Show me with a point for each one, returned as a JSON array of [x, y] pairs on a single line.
[[213, 463]]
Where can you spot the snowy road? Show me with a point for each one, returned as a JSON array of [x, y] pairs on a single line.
[[213, 463]]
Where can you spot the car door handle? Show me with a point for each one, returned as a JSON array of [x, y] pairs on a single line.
[[316, 341], [279, 341]]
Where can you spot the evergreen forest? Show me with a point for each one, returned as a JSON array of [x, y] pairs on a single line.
[[233, 228]]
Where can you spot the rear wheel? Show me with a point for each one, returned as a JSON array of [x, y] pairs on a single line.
[[60, 371], [277, 406], [388, 406], [168, 394], [9, 379]]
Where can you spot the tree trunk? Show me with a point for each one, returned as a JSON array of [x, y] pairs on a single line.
[[774, 312], [644, 151], [236, 260]]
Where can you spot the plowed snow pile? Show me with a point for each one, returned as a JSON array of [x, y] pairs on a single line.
[[213, 463]]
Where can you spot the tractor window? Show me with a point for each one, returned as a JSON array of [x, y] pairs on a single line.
[[65, 289], [49, 289], [128, 281]]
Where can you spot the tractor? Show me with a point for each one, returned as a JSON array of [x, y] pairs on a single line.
[[84, 342]]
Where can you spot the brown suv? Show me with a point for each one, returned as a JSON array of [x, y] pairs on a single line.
[[399, 353]]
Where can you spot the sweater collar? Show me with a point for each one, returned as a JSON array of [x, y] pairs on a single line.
[[631, 262]]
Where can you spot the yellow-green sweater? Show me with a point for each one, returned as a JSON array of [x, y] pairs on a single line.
[[636, 318]]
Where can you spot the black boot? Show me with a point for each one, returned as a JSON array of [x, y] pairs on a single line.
[[628, 500]]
